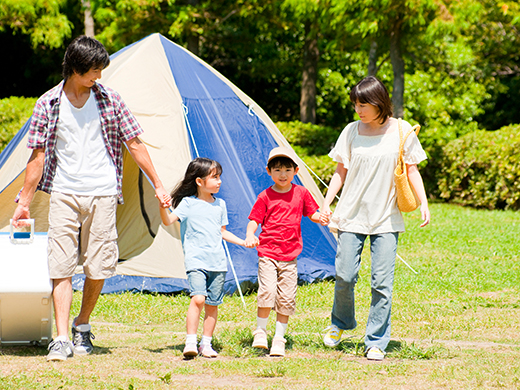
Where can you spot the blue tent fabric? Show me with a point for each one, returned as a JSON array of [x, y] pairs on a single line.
[[225, 129]]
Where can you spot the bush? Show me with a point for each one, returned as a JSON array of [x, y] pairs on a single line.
[[14, 112], [482, 169]]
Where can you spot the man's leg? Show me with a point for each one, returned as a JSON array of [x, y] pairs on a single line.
[[62, 297], [91, 291]]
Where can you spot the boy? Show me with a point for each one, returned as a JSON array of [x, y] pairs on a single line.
[[279, 209]]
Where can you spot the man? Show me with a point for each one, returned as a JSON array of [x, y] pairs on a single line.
[[77, 130]]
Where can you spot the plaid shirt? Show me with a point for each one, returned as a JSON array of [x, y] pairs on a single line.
[[118, 124]]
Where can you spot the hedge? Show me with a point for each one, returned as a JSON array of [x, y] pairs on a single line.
[[14, 112], [482, 169]]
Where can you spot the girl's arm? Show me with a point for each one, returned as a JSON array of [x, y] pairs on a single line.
[[417, 183], [251, 239], [338, 178], [166, 217], [230, 237]]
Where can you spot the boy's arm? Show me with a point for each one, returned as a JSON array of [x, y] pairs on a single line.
[[230, 237], [315, 217], [251, 239], [167, 218]]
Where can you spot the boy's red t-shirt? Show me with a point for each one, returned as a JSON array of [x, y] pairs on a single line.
[[280, 216]]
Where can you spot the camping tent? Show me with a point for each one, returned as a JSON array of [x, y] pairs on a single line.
[[186, 109]]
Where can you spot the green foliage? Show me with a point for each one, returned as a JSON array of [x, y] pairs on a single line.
[[14, 112], [43, 21], [482, 169]]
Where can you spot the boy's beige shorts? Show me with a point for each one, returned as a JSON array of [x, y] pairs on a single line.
[[82, 231], [277, 283]]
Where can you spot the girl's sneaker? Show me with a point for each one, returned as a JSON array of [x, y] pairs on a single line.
[[375, 353], [207, 351], [190, 351], [260, 338]]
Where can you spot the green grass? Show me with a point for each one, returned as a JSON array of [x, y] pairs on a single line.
[[455, 325]]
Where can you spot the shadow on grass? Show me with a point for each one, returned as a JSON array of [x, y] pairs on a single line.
[[41, 351]]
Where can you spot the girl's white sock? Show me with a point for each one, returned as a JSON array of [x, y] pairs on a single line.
[[280, 329], [261, 322], [205, 340], [191, 339]]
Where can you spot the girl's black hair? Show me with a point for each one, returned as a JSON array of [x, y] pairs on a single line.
[[199, 167], [84, 53], [372, 91]]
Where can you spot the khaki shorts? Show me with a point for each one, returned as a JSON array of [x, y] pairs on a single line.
[[82, 231], [277, 282]]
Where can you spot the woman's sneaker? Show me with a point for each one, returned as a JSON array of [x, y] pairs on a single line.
[[333, 336], [260, 338], [60, 350], [375, 353], [81, 336]]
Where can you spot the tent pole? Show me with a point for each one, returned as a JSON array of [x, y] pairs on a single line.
[[235, 275]]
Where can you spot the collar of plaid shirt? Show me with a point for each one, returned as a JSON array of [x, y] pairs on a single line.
[[117, 125]]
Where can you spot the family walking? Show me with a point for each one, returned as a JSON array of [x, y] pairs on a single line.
[[76, 134]]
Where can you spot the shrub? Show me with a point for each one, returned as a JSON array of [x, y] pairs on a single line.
[[482, 169], [14, 112]]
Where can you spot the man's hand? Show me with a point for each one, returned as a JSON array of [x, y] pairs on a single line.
[[21, 212], [164, 198]]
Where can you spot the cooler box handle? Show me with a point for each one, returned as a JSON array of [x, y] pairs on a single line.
[[18, 237]]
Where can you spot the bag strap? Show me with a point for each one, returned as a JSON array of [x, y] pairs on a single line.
[[402, 139]]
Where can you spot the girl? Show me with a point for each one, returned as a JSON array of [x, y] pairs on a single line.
[[366, 153], [203, 221]]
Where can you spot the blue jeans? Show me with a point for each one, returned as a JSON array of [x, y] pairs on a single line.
[[207, 283], [383, 248]]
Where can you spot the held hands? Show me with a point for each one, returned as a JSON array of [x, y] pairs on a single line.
[[251, 241], [325, 216], [165, 200]]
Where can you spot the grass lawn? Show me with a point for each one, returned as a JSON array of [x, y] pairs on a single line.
[[455, 325]]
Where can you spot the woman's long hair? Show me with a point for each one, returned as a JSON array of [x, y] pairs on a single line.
[[199, 167]]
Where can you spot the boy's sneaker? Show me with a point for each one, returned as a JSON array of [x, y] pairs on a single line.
[[190, 351], [278, 346], [60, 350], [333, 336], [81, 336], [207, 351], [375, 353], [260, 338]]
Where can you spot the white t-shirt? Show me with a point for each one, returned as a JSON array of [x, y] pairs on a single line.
[[84, 165], [368, 203]]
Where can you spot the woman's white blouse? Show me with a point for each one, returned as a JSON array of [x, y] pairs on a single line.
[[368, 202]]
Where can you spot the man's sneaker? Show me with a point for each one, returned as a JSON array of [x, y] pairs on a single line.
[[81, 336], [60, 350], [333, 336], [190, 351], [260, 338], [278, 346], [207, 351], [375, 353]]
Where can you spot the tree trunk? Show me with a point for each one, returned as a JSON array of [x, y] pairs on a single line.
[[88, 20], [396, 57], [311, 56], [372, 59]]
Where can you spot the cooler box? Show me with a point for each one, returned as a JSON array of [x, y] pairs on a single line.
[[25, 289]]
